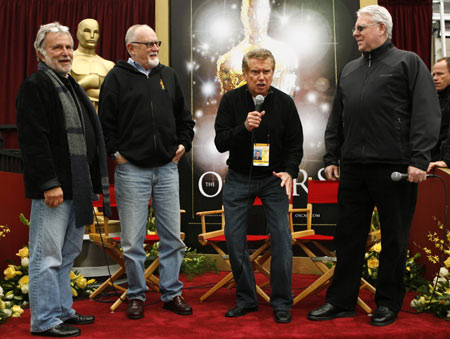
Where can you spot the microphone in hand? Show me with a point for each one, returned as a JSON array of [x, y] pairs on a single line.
[[397, 176], [254, 119], [259, 100]]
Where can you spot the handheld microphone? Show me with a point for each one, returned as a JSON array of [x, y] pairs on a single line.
[[397, 176], [259, 100]]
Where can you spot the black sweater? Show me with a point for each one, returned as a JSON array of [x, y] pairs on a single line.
[[385, 110], [144, 118], [280, 127]]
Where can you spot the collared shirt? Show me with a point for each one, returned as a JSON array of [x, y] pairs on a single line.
[[139, 67]]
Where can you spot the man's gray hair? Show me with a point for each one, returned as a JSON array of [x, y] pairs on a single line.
[[131, 33], [54, 27], [379, 14], [260, 54]]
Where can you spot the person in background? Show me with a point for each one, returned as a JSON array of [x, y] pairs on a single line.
[[441, 78], [148, 128], [64, 158], [385, 118]]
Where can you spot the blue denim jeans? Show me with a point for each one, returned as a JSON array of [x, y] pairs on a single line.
[[238, 196], [55, 242], [134, 186]]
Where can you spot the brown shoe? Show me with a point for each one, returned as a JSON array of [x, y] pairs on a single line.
[[135, 309], [178, 306]]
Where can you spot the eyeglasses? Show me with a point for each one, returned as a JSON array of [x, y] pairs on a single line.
[[59, 28], [361, 28], [148, 44]]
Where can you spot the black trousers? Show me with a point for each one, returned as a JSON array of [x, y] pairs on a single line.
[[361, 187]]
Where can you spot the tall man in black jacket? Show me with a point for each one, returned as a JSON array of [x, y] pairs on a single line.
[[147, 128], [277, 133], [385, 118], [64, 158]]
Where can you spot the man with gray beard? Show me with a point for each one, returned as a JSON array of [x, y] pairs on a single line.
[[147, 128]]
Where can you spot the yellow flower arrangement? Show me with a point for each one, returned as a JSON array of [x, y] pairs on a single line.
[[16, 311], [81, 282], [435, 297], [80, 285], [373, 263], [10, 272], [4, 230], [15, 284], [376, 247], [23, 252], [447, 262]]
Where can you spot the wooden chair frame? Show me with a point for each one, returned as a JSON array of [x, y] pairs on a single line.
[[302, 238], [257, 258], [111, 245]]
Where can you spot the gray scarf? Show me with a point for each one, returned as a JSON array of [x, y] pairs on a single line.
[[81, 179]]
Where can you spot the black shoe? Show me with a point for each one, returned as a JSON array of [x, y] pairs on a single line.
[[282, 316], [61, 330], [178, 306], [328, 312], [239, 311], [383, 316], [135, 309], [79, 319]]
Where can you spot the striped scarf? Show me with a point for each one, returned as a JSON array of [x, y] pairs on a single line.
[[81, 179]]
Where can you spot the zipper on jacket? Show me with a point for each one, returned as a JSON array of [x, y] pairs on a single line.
[[363, 130], [153, 123]]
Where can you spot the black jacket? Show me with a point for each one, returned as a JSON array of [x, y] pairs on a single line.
[[144, 118], [280, 127], [385, 110], [43, 138]]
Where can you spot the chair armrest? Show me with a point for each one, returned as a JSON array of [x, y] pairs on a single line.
[[296, 210], [301, 234], [203, 215], [102, 240], [203, 237], [209, 212]]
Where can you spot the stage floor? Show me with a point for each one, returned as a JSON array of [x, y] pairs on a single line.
[[208, 320]]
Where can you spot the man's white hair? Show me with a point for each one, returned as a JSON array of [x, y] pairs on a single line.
[[54, 27], [379, 14], [131, 33]]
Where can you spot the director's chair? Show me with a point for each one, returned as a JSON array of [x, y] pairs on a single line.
[[100, 235], [322, 192], [215, 237]]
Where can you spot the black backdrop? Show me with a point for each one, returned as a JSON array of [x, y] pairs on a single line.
[[185, 51]]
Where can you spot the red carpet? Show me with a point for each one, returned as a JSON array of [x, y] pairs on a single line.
[[209, 322]]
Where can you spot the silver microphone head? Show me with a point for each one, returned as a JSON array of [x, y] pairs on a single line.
[[259, 99], [396, 176]]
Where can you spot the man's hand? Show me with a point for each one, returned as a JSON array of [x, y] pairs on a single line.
[[54, 197], [179, 153], [332, 172], [119, 159], [253, 120], [286, 181], [436, 164], [416, 174]]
